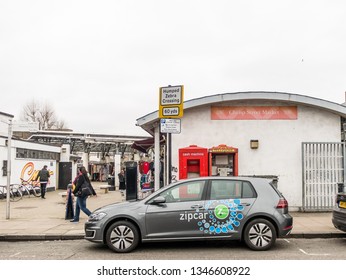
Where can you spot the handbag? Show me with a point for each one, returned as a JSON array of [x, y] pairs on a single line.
[[86, 189]]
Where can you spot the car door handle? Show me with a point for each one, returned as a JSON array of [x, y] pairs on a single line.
[[197, 206], [245, 204]]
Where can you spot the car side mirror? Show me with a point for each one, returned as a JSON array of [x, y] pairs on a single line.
[[159, 200]]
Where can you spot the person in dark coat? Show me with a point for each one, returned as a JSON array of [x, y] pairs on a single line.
[[43, 176], [121, 177], [81, 201]]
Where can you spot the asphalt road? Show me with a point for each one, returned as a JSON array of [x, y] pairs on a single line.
[[285, 249]]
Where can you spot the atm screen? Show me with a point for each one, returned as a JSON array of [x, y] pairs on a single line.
[[221, 159]]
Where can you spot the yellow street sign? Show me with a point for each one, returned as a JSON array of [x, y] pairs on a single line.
[[171, 102]]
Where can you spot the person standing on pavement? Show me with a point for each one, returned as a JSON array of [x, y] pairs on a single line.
[[121, 177], [81, 201], [43, 176]]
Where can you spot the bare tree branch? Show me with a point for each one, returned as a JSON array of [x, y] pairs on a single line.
[[30, 112], [43, 114]]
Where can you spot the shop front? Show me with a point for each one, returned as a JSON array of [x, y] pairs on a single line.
[[260, 134]]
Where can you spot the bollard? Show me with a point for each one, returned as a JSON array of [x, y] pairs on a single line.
[[69, 214]]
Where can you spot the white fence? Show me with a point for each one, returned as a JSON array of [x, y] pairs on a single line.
[[323, 169]]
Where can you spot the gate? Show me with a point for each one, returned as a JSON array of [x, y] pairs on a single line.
[[323, 169]]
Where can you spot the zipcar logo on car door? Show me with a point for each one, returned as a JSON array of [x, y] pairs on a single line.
[[218, 216]]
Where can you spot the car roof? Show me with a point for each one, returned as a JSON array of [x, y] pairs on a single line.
[[237, 178]]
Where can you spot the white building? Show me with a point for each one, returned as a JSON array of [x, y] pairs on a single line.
[[298, 138], [27, 159]]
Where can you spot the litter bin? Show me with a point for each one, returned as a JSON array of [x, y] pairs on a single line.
[[111, 183]]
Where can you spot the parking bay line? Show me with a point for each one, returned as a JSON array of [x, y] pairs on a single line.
[[308, 254], [16, 254]]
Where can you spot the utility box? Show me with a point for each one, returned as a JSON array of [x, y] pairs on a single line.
[[193, 162]]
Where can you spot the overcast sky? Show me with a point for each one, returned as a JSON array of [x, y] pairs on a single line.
[[100, 64]]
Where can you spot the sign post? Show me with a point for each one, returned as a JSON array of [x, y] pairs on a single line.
[[9, 146], [170, 112]]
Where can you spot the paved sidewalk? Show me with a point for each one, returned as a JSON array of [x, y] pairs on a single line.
[[34, 218]]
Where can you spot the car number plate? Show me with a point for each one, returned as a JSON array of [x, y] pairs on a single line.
[[342, 204]]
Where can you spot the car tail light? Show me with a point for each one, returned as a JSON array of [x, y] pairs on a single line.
[[282, 204]]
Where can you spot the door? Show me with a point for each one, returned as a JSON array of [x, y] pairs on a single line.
[[228, 204], [181, 215], [65, 174]]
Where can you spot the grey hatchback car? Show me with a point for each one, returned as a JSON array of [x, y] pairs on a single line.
[[224, 208], [339, 211]]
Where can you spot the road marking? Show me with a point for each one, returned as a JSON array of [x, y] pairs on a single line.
[[308, 254], [287, 241], [16, 254]]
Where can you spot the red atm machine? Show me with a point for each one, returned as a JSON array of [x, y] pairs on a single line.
[[193, 162]]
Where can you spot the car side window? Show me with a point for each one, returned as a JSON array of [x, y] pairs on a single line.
[[188, 191], [248, 191], [228, 189]]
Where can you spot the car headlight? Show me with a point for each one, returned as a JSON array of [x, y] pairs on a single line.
[[94, 217]]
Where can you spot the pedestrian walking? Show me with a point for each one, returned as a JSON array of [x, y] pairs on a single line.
[[43, 176], [81, 200]]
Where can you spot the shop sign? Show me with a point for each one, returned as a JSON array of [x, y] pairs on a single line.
[[254, 113], [222, 149]]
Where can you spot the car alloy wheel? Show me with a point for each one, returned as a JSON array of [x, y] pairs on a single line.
[[260, 235], [122, 237]]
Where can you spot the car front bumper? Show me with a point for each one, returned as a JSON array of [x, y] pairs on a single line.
[[339, 220], [93, 232]]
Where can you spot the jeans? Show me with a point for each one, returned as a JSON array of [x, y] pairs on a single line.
[[43, 189], [81, 205]]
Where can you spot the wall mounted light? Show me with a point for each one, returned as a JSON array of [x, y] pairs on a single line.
[[254, 144]]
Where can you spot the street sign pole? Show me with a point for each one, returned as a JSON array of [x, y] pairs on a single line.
[[8, 170], [171, 110], [169, 143]]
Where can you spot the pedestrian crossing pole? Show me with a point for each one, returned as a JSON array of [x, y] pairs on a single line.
[[171, 110]]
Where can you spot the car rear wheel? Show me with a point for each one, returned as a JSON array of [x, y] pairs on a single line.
[[259, 235], [122, 237]]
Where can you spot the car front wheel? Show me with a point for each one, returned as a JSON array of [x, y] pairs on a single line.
[[122, 237], [259, 235]]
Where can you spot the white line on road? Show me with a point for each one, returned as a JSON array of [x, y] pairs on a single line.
[[16, 254], [308, 254]]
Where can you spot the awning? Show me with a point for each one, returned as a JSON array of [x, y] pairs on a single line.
[[146, 144], [75, 157]]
